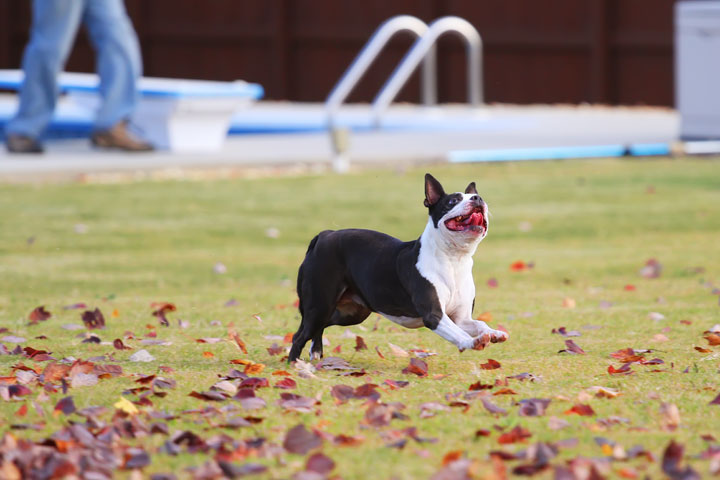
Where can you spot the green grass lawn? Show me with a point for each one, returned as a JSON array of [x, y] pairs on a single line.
[[587, 227]]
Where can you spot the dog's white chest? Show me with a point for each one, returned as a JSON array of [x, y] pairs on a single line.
[[450, 273]]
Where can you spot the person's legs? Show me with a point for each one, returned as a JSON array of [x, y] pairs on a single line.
[[54, 25], [118, 60]]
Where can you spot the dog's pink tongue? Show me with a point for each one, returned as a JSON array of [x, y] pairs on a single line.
[[476, 219]]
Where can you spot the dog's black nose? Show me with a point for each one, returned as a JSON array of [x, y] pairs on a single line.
[[477, 199]]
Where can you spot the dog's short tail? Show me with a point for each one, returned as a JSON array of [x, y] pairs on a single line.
[[310, 248]]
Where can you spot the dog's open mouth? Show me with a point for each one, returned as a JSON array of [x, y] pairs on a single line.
[[471, 222]]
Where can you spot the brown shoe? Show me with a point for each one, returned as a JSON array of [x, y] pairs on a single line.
[[119, 137], [22, 144]]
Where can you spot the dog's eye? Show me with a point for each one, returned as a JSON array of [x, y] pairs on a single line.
[[452, 201]]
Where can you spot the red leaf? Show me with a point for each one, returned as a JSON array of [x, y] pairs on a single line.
[[417, 366], [716, 401], [275, 349], [624, 370], [629, 288], [93, 319], [479, 386], [66, 406], [518, 266], [517, 434], [119, 345], [300, 440], [254, 383], [161, 309], [581, 409], [713, 339], [22, 411], [236, 338], [39, 315], [360, 343], [377, 349], [627, 355], [490, 365], [286, 383]]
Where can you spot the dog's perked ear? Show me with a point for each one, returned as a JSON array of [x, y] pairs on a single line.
[[433, 191], [471, 189]]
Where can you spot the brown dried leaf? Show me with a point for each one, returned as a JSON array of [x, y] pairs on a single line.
[[417, 367], [39, 314], [300, 440], [490, 365], [93, 319]]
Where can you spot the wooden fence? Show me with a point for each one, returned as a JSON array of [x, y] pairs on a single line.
[[600, 51]]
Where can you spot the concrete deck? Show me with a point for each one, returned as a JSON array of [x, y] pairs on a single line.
[[429, 135]]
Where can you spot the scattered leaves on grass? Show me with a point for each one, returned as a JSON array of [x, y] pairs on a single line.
[[300, 440], [161, 311], [517, 434], [672, 458], [533, 407], [491, 407], [417, 367], [39, 314], [93, 319], [238, 341], [490, 364], [581, 409], [572, 348], [119, 345]]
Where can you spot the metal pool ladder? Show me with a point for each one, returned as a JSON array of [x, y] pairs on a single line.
[[422, 50]]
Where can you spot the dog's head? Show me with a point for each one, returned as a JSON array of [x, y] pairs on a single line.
[[460, 217]]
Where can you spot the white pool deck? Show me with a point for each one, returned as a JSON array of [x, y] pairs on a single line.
[[428, 136]]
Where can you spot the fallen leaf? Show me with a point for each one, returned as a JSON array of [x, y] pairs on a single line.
[[93, 319], [161, 310], [126, 406], [360, 344], [417, 367], [716, 400], [300, 440], [581, 409], [604, 392], [39, 314], [320, 464], [713, 339], [517, 434], [572, 348], [119, 345], [490, 364], [533, 407], [286, 384], [624, 370], [672, 458], [397, 351], [491, 407], [670, 416], [238, 341], [65, 406]]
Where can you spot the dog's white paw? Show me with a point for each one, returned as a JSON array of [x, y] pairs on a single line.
[[498, 336]]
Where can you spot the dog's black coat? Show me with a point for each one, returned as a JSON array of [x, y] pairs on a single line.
[[347, 274]]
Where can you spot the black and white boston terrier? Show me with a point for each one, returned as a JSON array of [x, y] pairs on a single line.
[[347, 274]]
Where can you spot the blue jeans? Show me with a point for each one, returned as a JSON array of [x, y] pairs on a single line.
[[118, 62]]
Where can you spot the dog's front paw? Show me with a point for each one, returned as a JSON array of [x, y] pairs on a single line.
[[498, 336], [481, 341]]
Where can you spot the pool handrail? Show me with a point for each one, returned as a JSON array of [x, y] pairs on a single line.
[[370, 51], [421, 48]]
